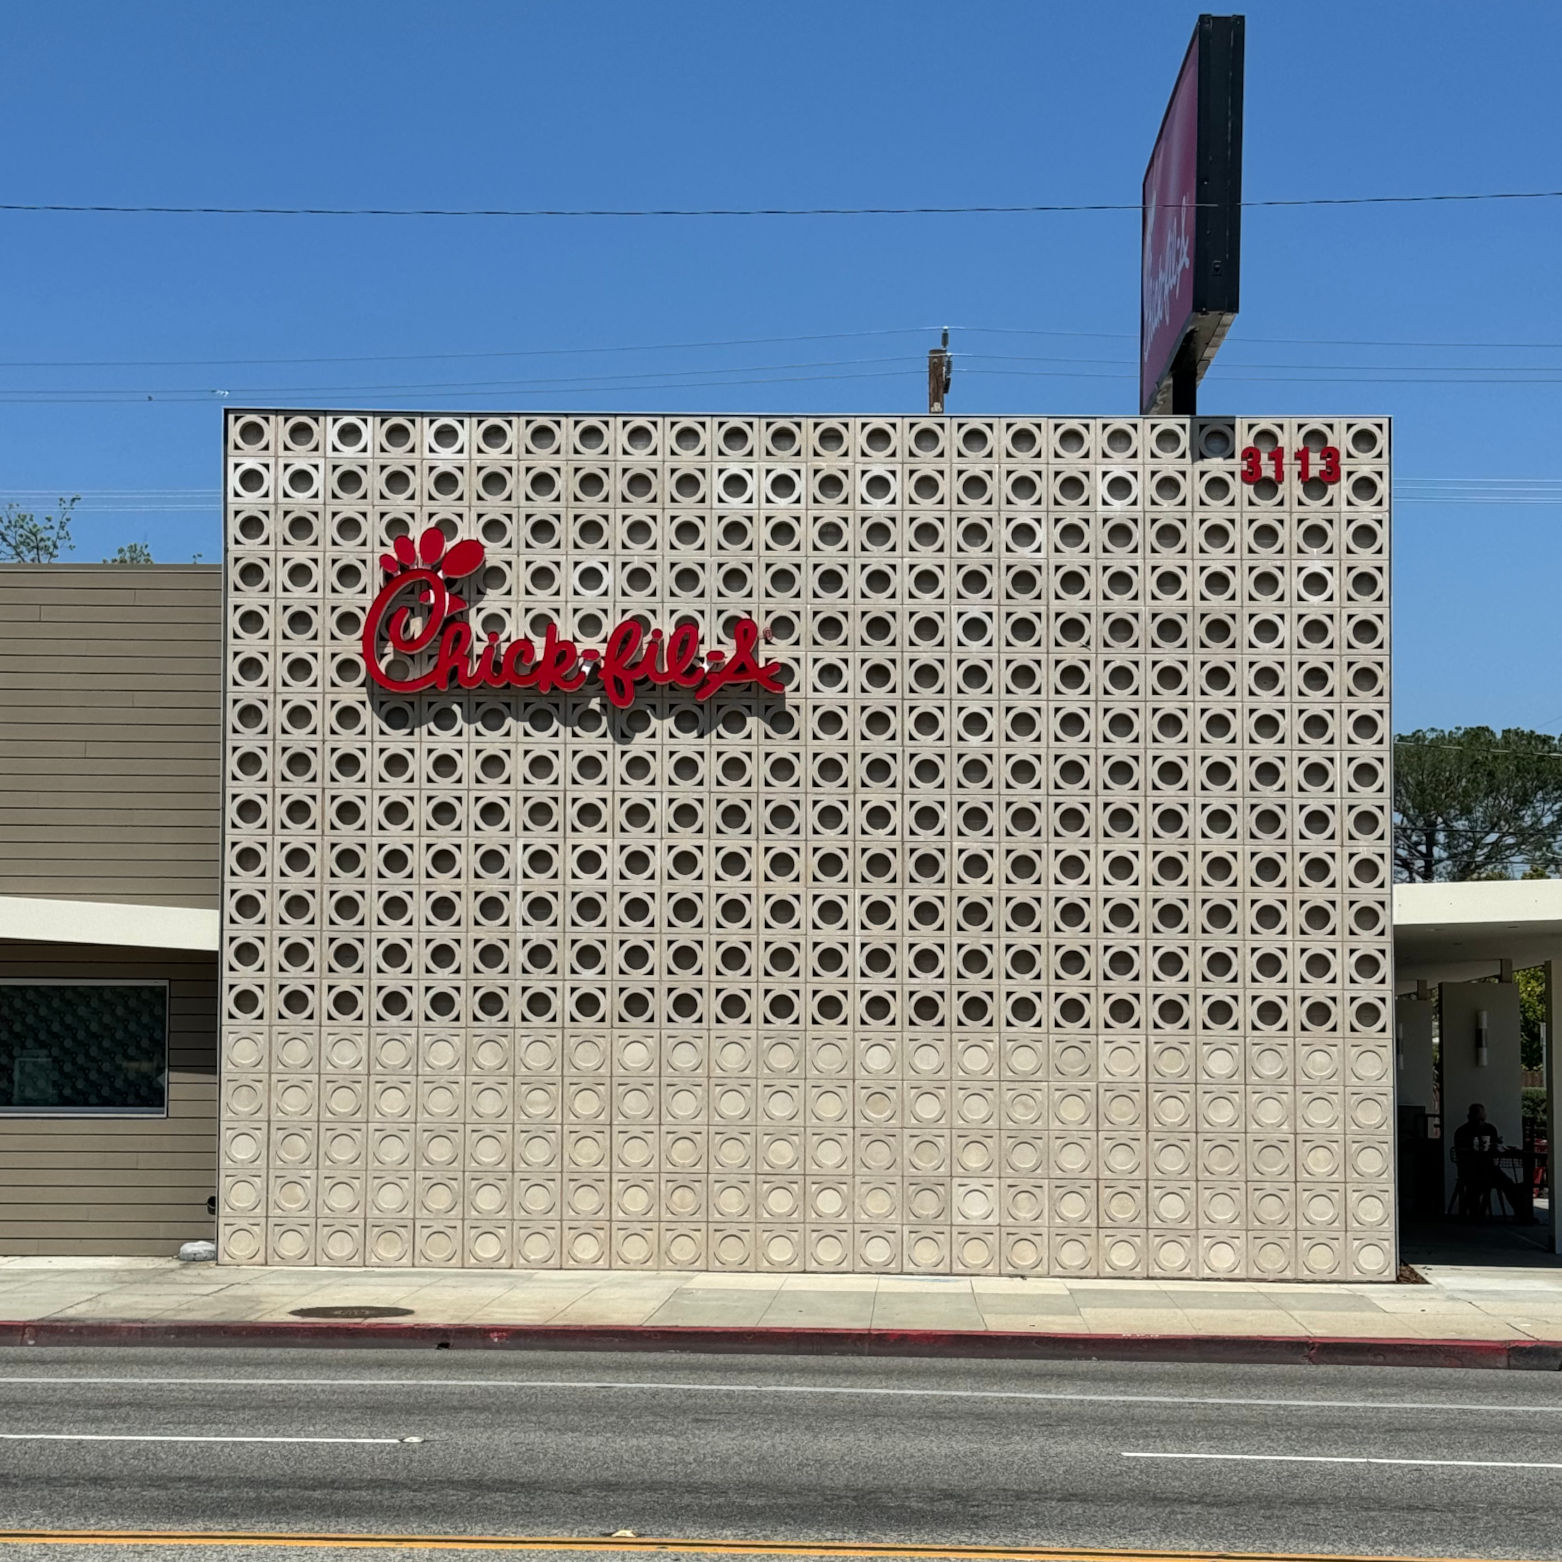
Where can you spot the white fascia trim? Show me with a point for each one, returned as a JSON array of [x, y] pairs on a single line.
[[107, 922], [1499, 901]]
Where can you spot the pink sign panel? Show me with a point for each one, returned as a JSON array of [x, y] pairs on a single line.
[[1168, 224]]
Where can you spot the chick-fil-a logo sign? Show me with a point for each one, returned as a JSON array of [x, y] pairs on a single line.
[[422, 576]]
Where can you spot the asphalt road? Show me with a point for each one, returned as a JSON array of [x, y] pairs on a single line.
[[774, 1450]]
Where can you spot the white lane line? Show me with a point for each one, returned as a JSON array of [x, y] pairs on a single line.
[[1464, 1464], [157, 1437], [662, 1386]]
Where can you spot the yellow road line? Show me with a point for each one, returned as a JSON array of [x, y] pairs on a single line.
[[670, 1545]]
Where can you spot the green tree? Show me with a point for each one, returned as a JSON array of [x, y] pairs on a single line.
[[25, 538], [132, 553], [1470, 803], [1532, 1015]]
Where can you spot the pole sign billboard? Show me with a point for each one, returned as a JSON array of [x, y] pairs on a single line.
[[1191, 221]]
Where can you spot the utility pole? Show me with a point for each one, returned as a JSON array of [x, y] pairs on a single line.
[[940, 369]]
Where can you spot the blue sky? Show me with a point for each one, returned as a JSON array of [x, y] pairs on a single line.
[[684, 104]]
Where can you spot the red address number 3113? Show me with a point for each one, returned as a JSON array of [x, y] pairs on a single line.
[[1326, 471]]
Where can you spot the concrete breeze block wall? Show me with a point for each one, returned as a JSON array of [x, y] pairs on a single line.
[[1040, 926]]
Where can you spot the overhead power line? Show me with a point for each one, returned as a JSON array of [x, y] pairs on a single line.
[[1221, 376], [625, 375], [1350, 368], [1240, 338], [1373, 379], [1234, 343], [1484, 748], [743, 211], [508, 352], [718, 375], [123, 397], [1500, 488], [621, 380]]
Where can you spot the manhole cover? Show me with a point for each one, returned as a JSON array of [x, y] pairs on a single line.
[[351, 1312]]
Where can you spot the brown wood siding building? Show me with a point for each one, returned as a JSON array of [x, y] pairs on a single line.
[[119, 1185], [110, 700]]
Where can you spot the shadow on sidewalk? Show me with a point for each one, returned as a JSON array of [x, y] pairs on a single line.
[[1475, 1243]]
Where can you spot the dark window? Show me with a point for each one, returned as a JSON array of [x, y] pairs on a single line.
[[84, 1047]]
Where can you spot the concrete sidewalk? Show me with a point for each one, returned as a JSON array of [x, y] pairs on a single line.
[[1464, 1303]]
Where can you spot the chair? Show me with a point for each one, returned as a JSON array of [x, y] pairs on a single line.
[[1470, 1202], [1474, 1186]]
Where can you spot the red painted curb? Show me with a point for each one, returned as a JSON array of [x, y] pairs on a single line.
[[1315, 1350]]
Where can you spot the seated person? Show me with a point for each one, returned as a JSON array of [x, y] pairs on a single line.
[[1476, 1143]]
